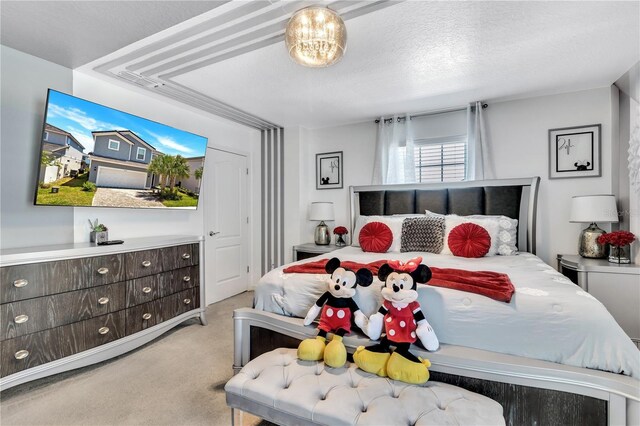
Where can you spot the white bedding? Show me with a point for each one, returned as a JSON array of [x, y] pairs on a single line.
[[549, 318]]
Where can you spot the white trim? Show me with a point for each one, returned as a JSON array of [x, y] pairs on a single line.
[[109, 145], [144, 153], [96, 134], [137, 138], [119, 162]]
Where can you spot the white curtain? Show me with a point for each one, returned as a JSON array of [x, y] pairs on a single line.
[[479, 165], [394, 159]]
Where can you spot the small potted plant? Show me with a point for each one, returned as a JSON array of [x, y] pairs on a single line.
[[99, 232], [619, 241], [340, 232]]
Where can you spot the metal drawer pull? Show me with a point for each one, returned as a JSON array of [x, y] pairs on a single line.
[[186, 256], [103, 330], [186, 278], [21, 354], [20, 283], [186, 301], [146, 263], [21, 319], [103, 271], [146, 316], [146, 289], [103, 300]]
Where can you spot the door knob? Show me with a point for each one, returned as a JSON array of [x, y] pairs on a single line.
[[211, 233]]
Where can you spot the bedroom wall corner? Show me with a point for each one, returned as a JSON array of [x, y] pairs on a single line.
[[294, 195], [24, 83]]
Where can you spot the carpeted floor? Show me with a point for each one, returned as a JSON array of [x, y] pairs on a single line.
[[177, 379]]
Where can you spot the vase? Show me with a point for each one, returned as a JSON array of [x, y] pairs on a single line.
[[619, 254], [99, 237], [340, 241]]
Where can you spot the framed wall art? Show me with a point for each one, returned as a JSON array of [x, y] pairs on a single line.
[[575, 152], [329, 170]]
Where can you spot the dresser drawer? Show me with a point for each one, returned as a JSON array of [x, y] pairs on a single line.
[[145, 289], [143, 263], [180, 256], [33, 315], [181, 279], [40, 279], [39, 348], [179, 303], [143, 316]]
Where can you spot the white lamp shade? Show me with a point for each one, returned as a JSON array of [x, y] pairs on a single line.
[[594, 208], [321, 211]]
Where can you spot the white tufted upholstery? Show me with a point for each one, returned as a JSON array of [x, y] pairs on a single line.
[[278, 385]]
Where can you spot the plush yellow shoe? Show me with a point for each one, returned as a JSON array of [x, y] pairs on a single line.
[[312, 349], [335, 355], [371, 362], [404, 370]]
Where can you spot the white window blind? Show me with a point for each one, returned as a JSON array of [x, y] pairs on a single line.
[[441, 159]]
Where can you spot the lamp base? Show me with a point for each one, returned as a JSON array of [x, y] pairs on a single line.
[[322, 235], [588, 243]]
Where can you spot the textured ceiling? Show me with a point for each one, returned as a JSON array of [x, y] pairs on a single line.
[[410, 56], [73, 33]]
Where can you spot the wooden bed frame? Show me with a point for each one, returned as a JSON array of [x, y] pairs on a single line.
[[530, 391]]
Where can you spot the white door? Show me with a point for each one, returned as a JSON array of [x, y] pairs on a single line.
[[226, 224], [120, 178]]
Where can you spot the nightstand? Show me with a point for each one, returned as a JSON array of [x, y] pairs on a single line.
[[616, 286], [305, 251]]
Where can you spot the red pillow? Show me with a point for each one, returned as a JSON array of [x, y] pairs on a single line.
[[375, 237], [469, 240]]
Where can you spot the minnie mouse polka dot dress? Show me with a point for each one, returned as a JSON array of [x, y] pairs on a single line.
[[399, 323]]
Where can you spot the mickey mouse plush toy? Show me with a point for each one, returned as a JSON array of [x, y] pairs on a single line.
[[404, 323], [337, 307]]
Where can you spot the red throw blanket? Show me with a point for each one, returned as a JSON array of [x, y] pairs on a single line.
[[495, 285]]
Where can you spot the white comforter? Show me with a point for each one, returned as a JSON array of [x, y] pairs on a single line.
[[549, 318]]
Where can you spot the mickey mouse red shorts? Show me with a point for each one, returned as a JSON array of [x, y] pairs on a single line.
[[332, 319]]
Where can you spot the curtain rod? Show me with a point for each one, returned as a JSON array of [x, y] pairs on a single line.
[[444, 111]]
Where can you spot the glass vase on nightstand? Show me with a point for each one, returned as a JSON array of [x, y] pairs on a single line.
[[619, 254], [340, 242]]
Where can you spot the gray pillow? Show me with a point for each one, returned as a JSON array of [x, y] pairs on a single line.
[[422, 234]]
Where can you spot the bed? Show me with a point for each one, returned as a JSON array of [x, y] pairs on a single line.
[[540, 355]]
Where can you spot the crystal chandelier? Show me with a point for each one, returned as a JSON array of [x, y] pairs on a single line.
[[316, 37]]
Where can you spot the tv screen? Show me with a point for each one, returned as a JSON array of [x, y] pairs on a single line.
[[95, 156]]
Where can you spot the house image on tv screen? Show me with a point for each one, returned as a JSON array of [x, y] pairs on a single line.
[[120, 159], [64, 155]]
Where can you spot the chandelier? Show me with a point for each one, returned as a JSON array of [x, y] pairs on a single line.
[[316, 37]]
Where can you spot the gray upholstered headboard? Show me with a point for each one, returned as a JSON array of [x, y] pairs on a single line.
[[515, 198]]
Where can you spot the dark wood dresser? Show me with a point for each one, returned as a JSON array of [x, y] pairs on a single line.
[[66, 307]]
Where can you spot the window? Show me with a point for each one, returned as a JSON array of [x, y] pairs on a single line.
[[141, 153], [114, 145], [440, 159], [46, 136]]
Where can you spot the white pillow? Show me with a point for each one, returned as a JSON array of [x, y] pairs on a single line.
[[492, 227], [393, 222], [506, 238]]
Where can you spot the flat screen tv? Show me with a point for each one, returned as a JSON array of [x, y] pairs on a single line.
[[95, 156]]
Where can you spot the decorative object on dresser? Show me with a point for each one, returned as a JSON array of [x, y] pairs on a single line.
[[619, 243], [340, 232], [321, 211], [99, 232], [307, 250], [591, 209], [329, 170], [65, 307], [574, 152], [617, 286], [316, 37]]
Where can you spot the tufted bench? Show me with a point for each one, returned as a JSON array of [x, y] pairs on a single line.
[[282, 389]]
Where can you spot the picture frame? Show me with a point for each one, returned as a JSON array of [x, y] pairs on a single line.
[[329, 170], [575, 152]]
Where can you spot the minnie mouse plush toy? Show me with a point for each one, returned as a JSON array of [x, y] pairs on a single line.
[[404, 323], [337, 308]]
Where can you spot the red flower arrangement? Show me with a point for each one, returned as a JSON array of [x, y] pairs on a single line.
[[340, 230], [617, 238]]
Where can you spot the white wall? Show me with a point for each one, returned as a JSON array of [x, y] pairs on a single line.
[[130, 223], [25, 80], [518, 131]]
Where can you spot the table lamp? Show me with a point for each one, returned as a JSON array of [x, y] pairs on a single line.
[[591, 209], [321, 211]]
